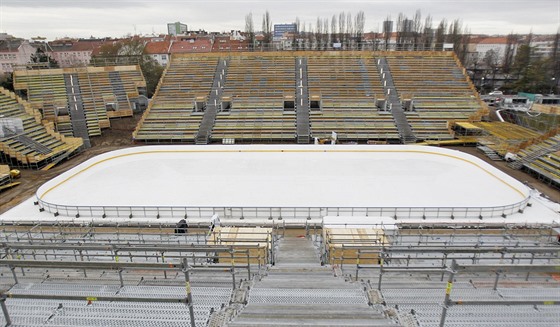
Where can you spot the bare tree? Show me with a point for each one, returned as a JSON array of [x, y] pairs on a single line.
[[555, 61], [428, 34], [492, 61], [360, 23], [334, 37], [250, 30], [416, 29], [327, 39], [341, 26], [309, 38], [511, 41], [387, 30], [405, 31], [267, 29], [454, 34], [440, 34], [464, 46], [349, 30], [297, 35]]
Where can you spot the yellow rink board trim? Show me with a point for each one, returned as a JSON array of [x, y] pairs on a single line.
[[277, 151]]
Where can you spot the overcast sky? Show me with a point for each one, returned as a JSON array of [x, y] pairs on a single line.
[[99, 18]]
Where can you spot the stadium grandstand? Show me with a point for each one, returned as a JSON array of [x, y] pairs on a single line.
[[542, 159], [278, 231], [25, 140], [293, 97], [81, 101], [281, 235]]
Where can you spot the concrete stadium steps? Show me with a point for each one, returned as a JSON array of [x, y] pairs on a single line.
[[298, 291], [405, 131]]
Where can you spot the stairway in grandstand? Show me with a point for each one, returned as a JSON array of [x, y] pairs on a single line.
[[489, 152], [298, 291], [213, 104], [118, 89], [394, 104], [76, 108], [302, 102], [27, 141], [32, 144], [535, 152]]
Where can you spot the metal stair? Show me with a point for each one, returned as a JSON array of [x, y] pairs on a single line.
[[394, 104], [366, 80], [24, 139], [118, 89], [529, 158], [298, 291], [31, 143], [303, 130], [76, 108], [212, 106], [489, 152]]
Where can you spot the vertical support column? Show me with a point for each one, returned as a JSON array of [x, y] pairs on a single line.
[[231, 251], [186, 269], [448, 293], [5, 311], [380, 276], [13, 269]]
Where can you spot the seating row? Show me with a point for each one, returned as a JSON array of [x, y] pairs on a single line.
[[38, 144]]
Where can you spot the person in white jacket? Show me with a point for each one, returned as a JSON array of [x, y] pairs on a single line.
[[214, 221]]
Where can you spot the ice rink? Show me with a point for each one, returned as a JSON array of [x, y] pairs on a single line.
[[284, 176]]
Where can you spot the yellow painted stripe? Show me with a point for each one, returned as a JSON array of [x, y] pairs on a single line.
[[280, 151]]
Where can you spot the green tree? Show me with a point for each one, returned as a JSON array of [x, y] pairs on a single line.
[[7, 81], [41, 57], [152, 72]]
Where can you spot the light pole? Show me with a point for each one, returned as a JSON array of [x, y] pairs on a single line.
[[552, 84], [482, 85]]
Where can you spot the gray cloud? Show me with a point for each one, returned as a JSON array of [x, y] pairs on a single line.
[[79, 18]]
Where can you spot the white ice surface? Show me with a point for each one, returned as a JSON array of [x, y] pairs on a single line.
[[261, 176], [284, 176]]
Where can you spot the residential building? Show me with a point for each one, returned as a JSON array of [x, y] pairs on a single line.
[[497, 44], [14, 52], [543, 45], [190, 46], [159, 51], [176, 28], [226, 43], [281, 29], [73, 53]]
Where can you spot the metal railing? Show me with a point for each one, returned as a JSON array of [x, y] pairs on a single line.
[[179, 212]]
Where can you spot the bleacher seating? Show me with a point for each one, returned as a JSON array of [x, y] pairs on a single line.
[[47, 91], [257, 86], [505, 137], [439, 90], [171, 116], [39, 144], [349, 87], [543, 159], [345, 93]]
